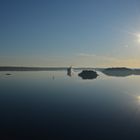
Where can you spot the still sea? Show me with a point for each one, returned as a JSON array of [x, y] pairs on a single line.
[[50, 105]]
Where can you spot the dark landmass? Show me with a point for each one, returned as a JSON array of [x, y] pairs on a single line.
[[121, 71], [10, 68], [136, 71], [118, 69], [22, 68], [88, 74]]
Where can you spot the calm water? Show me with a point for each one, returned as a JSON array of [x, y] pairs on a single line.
[[52, 106]]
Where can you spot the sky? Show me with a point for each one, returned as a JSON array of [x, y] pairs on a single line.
[[81, 33]]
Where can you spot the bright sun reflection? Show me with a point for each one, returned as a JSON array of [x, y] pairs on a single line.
[[138, 38], [138, 98]]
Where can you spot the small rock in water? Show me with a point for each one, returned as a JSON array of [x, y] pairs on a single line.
[[8, 74], [88, 74]]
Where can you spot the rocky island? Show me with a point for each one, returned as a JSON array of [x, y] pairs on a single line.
[[119, 71], [88, 74]]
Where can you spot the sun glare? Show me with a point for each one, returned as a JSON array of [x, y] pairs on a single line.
[[138, 98], [138, 38]]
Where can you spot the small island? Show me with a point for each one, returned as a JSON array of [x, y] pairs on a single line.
[[8, 74], [88, 74], [118, 71]]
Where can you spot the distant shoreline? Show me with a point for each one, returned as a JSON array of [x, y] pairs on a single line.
[[15, 68], [23, 68]]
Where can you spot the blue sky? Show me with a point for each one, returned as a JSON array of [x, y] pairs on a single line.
[[96, 33]]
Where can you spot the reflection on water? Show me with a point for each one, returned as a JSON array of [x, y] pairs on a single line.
[[138, 97], [50, 105]]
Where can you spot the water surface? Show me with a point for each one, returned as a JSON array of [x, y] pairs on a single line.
[[53, 106]]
